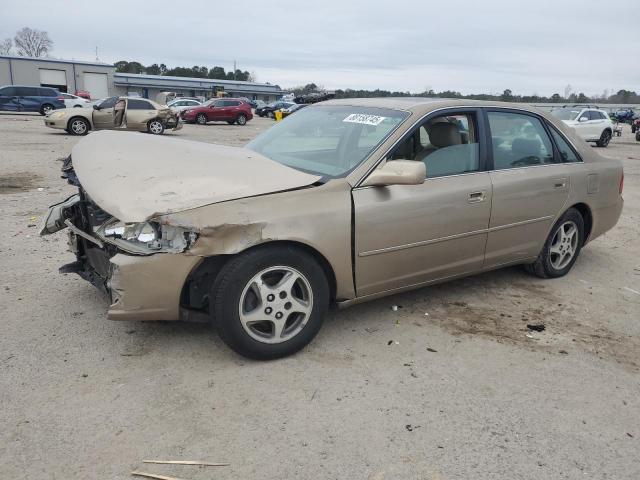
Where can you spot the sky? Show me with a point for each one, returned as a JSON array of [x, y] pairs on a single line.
[[533, 47]]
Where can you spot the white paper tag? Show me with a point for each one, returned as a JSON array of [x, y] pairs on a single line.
[[364, 119]]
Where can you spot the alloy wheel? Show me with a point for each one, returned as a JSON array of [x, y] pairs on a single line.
[[275, 304], [564, 245], [155, 127], [201, 119], [79, 127]]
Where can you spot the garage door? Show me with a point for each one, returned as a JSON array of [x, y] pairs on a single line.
[[96, 84], [53, 78]]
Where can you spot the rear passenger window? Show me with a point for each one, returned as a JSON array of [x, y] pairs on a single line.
[[232, 103], [45, 92], [8, 91], [518, 141], [139, 105], [567, 155]]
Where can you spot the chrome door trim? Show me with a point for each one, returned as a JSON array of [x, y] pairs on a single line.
[[395, 248]]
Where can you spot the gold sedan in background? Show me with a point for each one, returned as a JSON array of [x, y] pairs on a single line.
[[120, 113]]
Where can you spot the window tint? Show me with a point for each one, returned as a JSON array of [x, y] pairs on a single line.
[[26, 92], [232, 103], [46, 92], [108, 102], [133, 104], [8, 91], [448, 145], [518, 140], [567, 155]]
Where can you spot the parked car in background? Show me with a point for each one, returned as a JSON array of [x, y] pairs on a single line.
[[591, 123], [269, 110], [293, 108], [19, 98], [344, 202], [180, 104], [83, 94], [230, 110], [259, 104], [73, 101], [249, 101], [122, 113], [635, 125], [624, 115]]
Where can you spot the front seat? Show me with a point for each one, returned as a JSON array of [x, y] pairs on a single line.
[[451, 155]]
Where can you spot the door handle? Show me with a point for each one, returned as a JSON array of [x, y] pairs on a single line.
[[475, 197], [559, 182]]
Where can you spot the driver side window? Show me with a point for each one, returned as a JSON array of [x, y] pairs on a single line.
[[518, 141], [446, 144]]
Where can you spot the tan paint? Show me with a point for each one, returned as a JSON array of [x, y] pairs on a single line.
[[119, 173]]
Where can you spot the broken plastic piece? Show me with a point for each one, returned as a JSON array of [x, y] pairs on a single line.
[[154, 475], [536, 327], [187, 462]]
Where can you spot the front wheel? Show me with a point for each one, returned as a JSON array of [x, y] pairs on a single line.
[[562, 247], [201, 119], [156, 127], [270, 302], [78, 126], [605, 138], [241, 120]]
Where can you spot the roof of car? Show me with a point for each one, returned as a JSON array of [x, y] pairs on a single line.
[[423, 104]]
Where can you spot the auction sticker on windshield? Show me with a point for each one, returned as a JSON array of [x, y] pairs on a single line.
[[364, 119]]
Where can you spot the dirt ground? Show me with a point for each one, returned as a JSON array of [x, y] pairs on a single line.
[[450, 386]]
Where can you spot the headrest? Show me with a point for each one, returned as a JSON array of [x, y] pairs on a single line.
[[444, 134]]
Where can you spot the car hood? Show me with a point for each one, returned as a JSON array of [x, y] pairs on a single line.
[[135, 177]]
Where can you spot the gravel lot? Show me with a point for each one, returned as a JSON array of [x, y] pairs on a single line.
[[460, 393]]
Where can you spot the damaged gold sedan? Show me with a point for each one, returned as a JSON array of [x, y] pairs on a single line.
[[346, 201]]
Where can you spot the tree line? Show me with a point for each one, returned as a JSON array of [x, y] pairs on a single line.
[[196, 71], [27, 42]]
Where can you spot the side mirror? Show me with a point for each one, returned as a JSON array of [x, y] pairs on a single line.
[[583, 119], [397, 172], [96, 107]]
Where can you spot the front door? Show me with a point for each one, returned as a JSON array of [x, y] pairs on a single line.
[[103, 115], [530, 187], [408, 235]]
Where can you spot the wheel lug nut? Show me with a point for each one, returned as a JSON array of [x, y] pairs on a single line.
[[283, 294], [279, 315], [268, 310], [271, 297]]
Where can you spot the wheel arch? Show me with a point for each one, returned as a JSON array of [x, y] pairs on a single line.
[[198, 283], [587, 216]]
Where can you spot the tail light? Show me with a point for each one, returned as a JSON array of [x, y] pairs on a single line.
[[621, 183], [61, 98]]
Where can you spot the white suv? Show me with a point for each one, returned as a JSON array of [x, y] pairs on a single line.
[[590, 122]]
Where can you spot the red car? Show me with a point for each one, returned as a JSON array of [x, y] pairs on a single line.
[[230, 110], [83, 94]]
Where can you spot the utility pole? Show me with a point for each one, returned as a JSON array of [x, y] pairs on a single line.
[[97, 59]]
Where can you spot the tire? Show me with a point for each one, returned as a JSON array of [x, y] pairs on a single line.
[[156, 127], [633, 129], [230, 122], [78, 126], [77, 106], [242, 289], [271, 115], [201, 119], [241, 120], [551, 262], [637, 135], [605, 138], [46, 108]]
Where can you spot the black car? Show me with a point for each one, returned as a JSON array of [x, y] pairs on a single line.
[[268, 110], [18, 98]]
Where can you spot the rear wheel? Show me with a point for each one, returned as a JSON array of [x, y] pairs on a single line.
[[201, 119], [241, 120], [270, 302], [271, 115], [562, 247], [46, 108], [637, 135], [78, 126], [605, 138], [156, 127]]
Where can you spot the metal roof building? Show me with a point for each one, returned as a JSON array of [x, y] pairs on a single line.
[[149, 86], [101, 80]]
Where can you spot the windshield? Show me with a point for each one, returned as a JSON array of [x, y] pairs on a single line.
[[565, 113], [327, 140]]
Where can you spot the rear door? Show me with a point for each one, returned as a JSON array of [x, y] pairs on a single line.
[[597, 124], [530, 186], [30, 100], [9, 100], [138, 113]]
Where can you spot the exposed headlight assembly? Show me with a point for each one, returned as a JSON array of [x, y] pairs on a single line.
[[147, 237]]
